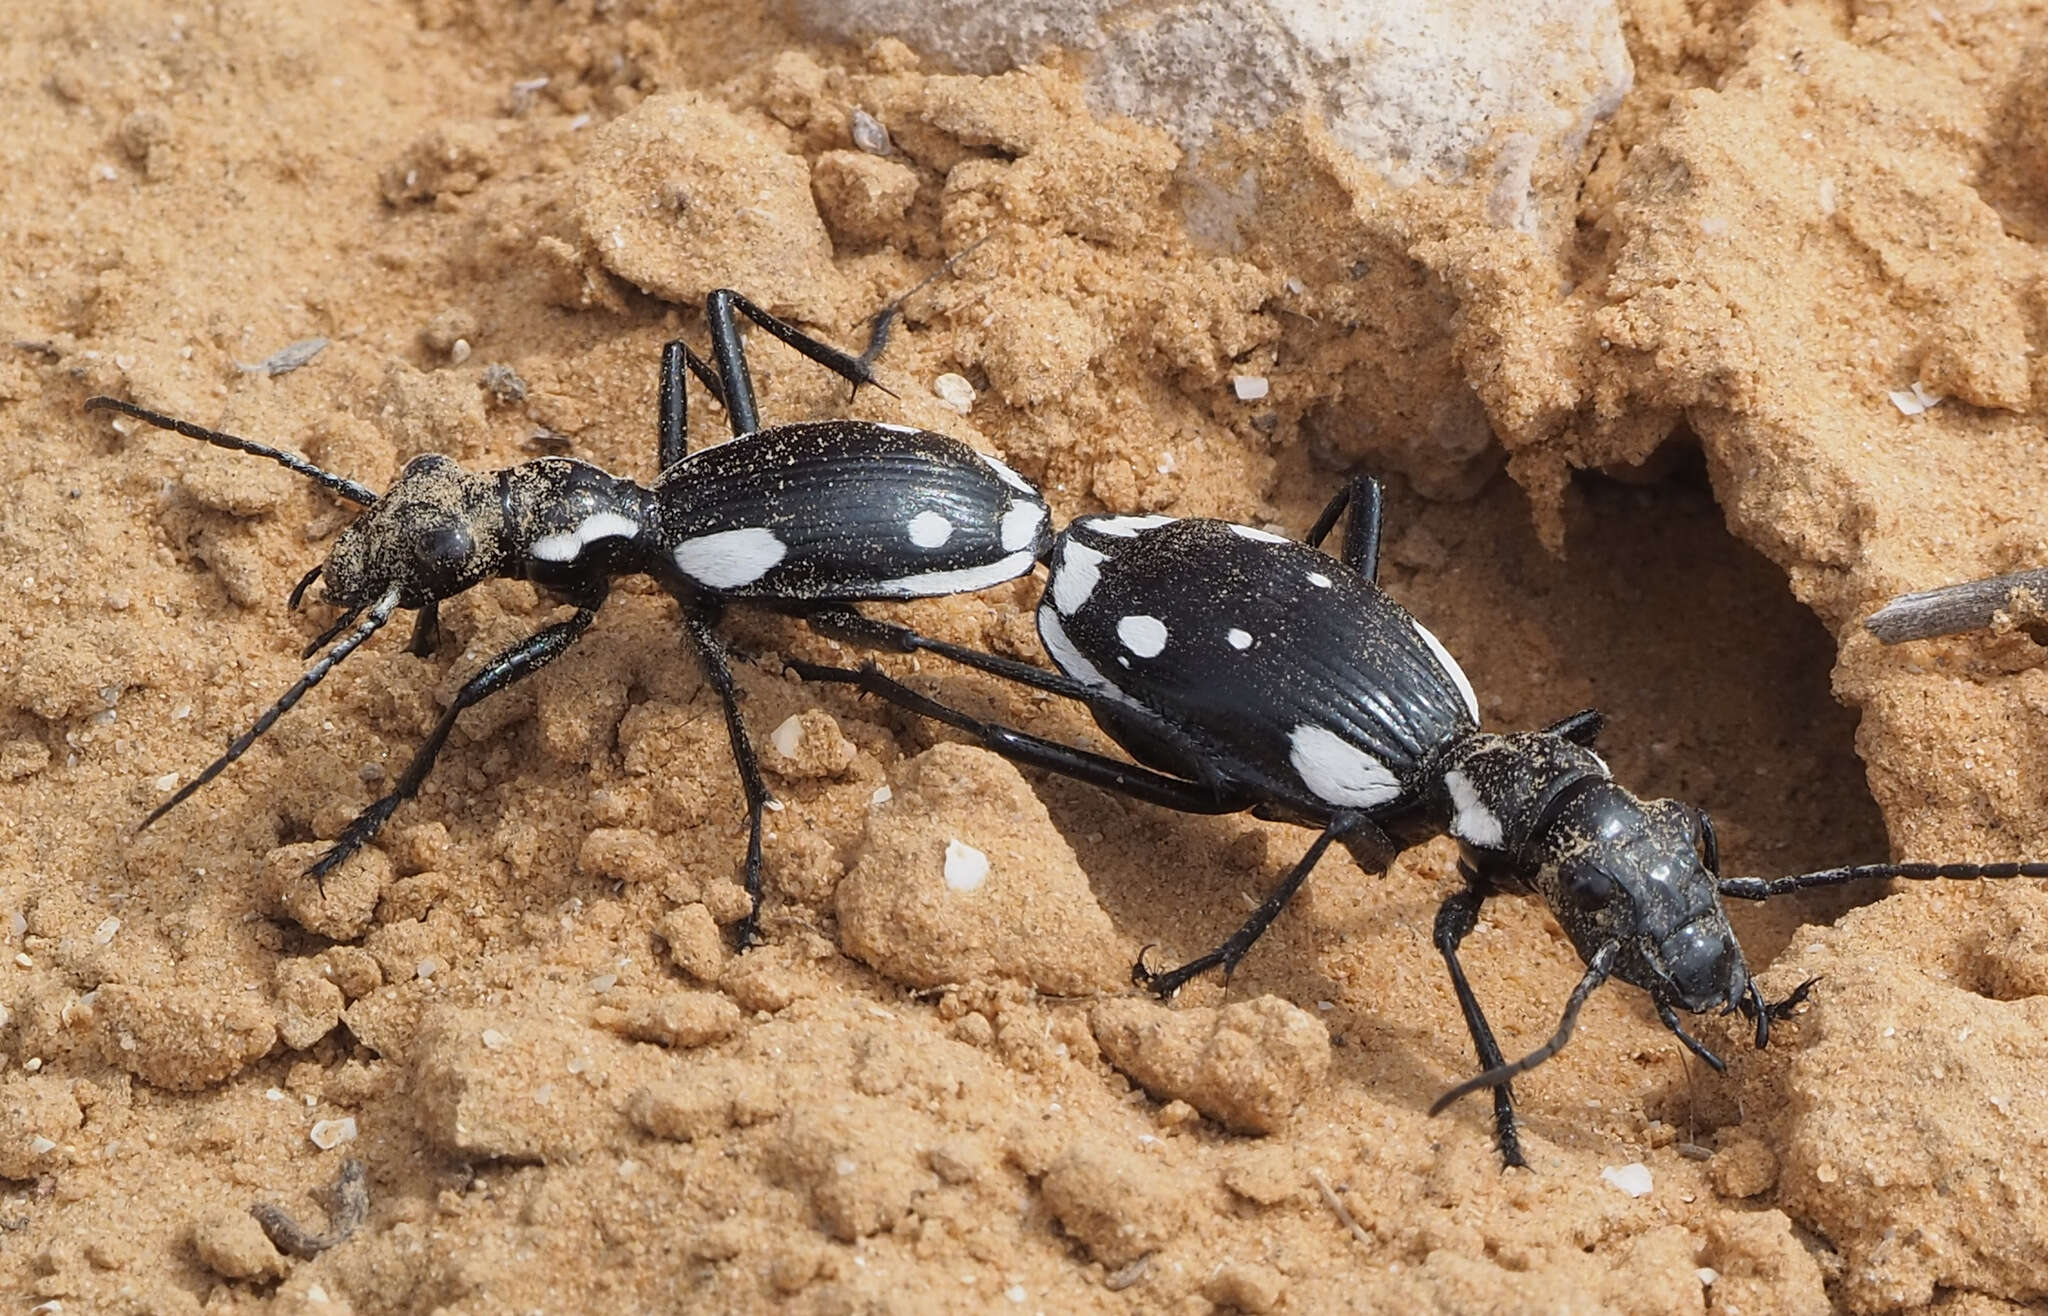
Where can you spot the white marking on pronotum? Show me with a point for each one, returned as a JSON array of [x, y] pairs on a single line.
[[1021, 523], [959, 580], [1451, 669], [966, 867], [1142, 635], [1339, 771], [1079, 569], [929, 529], [565, 545], [1261, 536], [1471, 820], [1009, 477], [1239, 639], [1126, 527], [1319, 580], [730, 558]]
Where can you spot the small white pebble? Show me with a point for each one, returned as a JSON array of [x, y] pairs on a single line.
[[544, 1094], [34, 1064], [458, 351], [329, 1134], [1916, 400], [427, 968], [788, 736], [604, 982], [955, 392], [966, 867], [167, 782], [104, 933], [1707, 1275], [21, 957], [5, 1015], [1250, 388], [41, 1146], [1296, 286], [17, 925], [1827, 196], [579, 1064], [494, 1040], [273, 1094], [1633, 1178], [882, 795], [844, 1166], [1016, 1293]]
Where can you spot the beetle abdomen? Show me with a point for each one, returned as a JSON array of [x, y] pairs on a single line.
[[847, 510], [1316, 679]]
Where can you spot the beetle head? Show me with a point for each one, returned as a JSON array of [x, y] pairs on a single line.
[[436, 533], [1640, 873]]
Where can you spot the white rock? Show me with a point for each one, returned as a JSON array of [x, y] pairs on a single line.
[[1453, 90], [1633, 1178]]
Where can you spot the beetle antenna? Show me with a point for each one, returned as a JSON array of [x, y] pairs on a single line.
[[1597, 972], [380, 612], [321, 641], [350, 489], [1758, 888]]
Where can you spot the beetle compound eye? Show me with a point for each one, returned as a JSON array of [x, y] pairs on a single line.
[[445, 545], [1589, 888]]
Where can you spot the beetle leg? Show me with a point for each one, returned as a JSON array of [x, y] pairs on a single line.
[[1099, 770], [516, 663], [701, 620], [1362, 534], [1692, 1044], [672, 405], [740, 406], [1455, 918], [843, 622], [1239, 942]]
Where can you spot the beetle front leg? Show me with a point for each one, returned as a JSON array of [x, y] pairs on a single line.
[[1456, 918]]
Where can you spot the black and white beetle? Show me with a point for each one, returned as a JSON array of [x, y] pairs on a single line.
[[1246, 671], [804, 518]]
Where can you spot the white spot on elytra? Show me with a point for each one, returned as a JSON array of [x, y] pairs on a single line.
[[1142, 635], [566, 545], [1319, 580], [1008, 476], [1126, 527], [897, 429], [1471, 820], [1239, 639], [929, 529], [1338, 771], [1021, 523], [1451, 669], [730, 558], [1258, 535], [958, 580], [966, 867], [1080, 567]]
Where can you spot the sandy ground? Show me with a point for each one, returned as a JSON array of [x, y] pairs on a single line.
[[517, 1014]]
